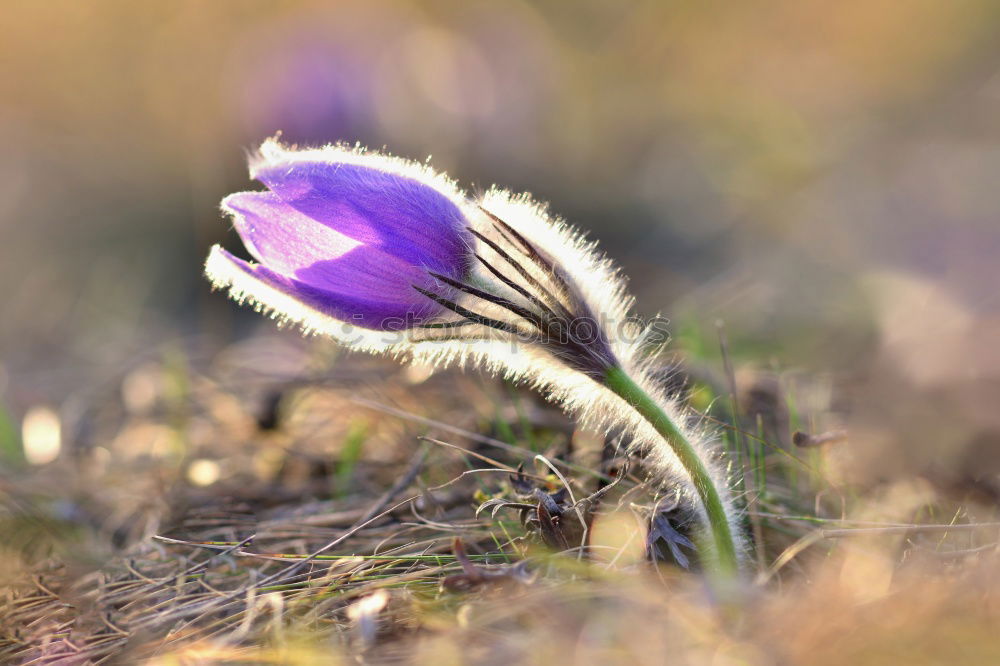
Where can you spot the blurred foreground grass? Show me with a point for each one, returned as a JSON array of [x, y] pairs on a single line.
[[281, 503]]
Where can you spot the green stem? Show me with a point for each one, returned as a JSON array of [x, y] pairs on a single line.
[[722, 537]]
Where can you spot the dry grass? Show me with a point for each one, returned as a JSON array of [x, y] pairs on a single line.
[[214, 513]]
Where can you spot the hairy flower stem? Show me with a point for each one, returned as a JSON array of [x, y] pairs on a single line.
[[721, 536]]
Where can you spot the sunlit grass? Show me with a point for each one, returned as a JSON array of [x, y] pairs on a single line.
[[240, 573]]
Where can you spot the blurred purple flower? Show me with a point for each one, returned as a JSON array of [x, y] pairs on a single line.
[[348, 236], [310, 72], [308, 88]]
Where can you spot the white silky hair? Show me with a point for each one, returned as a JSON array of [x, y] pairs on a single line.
[[599, 284]]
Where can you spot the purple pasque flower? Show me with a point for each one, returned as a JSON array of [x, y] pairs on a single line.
[[349, 243], [347, 235]]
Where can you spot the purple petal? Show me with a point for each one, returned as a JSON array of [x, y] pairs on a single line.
[[280, 236], [402, 216], [355, 303], [295, 246]]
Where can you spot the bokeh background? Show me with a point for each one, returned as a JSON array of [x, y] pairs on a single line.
[[821, 177]]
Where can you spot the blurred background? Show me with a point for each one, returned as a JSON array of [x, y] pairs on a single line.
[[820, 177]]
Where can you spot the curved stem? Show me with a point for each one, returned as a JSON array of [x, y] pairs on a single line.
[[722, 538]]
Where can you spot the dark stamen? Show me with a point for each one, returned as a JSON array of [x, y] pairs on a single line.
[[521, 270], [474, 317], [532, 253], [492, 298], [546, 310]]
